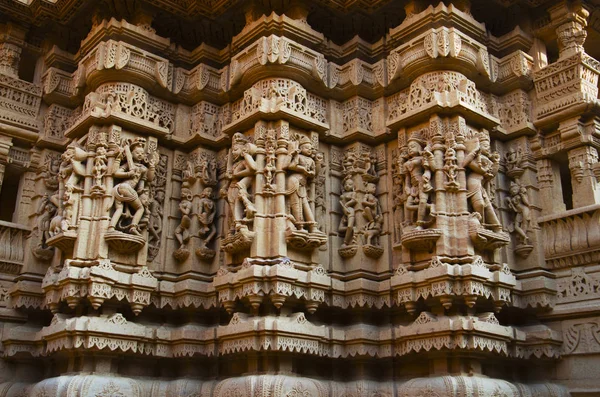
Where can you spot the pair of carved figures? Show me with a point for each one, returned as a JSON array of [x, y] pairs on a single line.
[[414, 199], [298, 163], [205, 215], [360, 168]]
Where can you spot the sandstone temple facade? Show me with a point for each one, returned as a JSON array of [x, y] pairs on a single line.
[[288, 198]]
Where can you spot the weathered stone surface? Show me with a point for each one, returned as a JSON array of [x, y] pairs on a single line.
[[299, 198]]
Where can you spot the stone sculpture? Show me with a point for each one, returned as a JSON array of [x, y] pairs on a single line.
[[302, 232], [417, 171], [240, 174], [483, 165], [207, 230], [182, 233], [129, 195], [346, 228]]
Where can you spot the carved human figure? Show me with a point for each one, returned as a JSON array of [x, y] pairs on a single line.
[[373, 214], [518, 202], [100, 167], [320, 190], [451, 169], [46, 211], [513, 160], [156, 216], [370, 203], [348, 202], [133, 190], [483, 165], [68, 209], [417, 170], [182, 233], [302, 170], [71, 167], [206, 216], [243, 168], [208, 172], [50, 173]]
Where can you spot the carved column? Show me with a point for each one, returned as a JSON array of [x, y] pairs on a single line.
[[10, 49], [585, 186]]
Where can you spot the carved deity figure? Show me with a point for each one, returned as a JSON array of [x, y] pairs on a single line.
[[130, 195], [156, 216], [417, 170], [373, 214], [399, 197], [241, 174], [71, 167], [182, 233], [451, 169], [46, 211], [302, 170], [50, 174], [348, 202], [100, 167], [483, 165], [513, 159], [206, 216], [518, 202]]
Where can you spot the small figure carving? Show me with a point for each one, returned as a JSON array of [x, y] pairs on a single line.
[[270, 167], [451, 170], [374, 217], [100, 167], [46, 211], [513, 159], [50, 173], [156, 217], [207, 230], [130, 194], [320, 209], [182, 233], [484, 166], [348, 202], [518, 202], [208, 170], [417, 169], [71, 168], [399, 197]]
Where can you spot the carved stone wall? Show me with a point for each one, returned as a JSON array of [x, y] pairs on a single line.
[[281, 210]]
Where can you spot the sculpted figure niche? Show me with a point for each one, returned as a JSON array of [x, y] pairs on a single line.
[[417, 172], [348, 201], [241, 170], [302, 232], [374, 217], [207, 230], [417, 167], [131, 196], [182, 233], [47, 208], [71, 170], [482, 165]]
